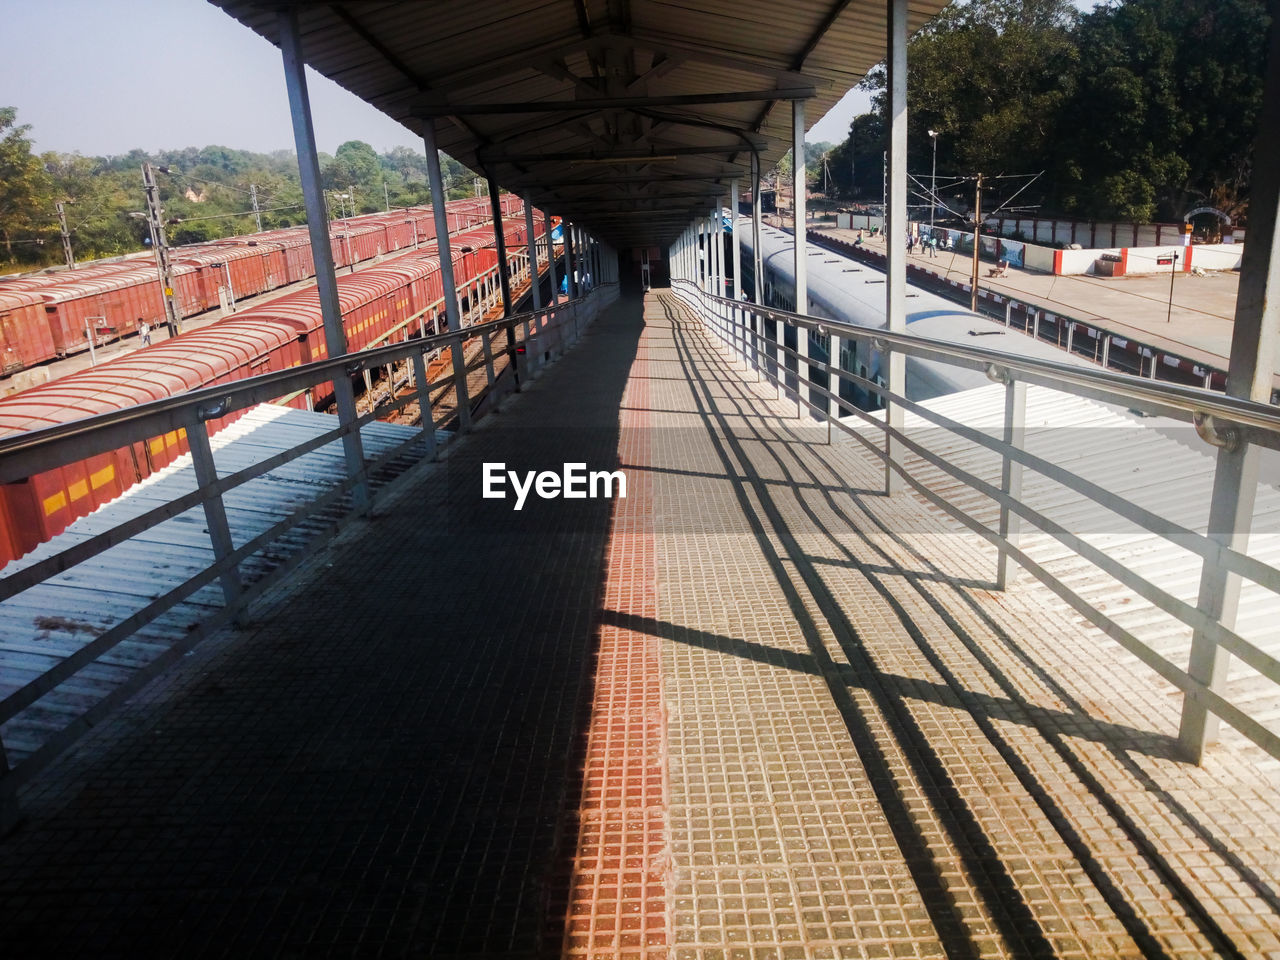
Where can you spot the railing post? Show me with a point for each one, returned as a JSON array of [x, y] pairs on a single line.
[[780, 365], [490, 380], [215, 513], [538, 337], [757, 332], [520, 361], [1235, 487], [1015, 421], [460, 384], [487, 348], [802, 336], [424, 405], [834, 382], [739, 339]]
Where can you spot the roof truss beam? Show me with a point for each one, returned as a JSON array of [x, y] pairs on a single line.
[[613, 103], [549, 58], [656, 155], [551, 182]]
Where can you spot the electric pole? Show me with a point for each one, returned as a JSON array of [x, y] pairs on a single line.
[[253, 195], [977, 242], [386, 197], [66, 237], [173, 315]]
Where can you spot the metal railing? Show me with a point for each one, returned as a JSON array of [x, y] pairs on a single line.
[[1225, 422], [529, 341]]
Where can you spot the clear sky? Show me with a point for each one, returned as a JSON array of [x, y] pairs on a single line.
[[105, 76]]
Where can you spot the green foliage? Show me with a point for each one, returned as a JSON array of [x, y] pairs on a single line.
[[857, 165], [1167, 120], [1136, 111], [355, 170], [24, 190], [205, 196]]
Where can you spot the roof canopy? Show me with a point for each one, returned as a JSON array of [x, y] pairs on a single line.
[[628, 116]]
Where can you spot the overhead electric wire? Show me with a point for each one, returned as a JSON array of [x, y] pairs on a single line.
[[245, 213]]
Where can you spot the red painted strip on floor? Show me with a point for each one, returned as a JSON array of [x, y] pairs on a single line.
[[617, 894]]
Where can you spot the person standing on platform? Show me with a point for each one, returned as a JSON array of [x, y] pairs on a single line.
[[144, 332]]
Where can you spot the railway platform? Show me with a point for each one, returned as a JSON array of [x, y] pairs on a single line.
[[1193, 319], [754, 708]]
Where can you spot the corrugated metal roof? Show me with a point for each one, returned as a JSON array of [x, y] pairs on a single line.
[[51, 621], [408, 59], [1157, 464]]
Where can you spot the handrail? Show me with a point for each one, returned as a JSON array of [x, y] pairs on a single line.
[[51, 446], [1216, 418], [549, 331], [1168, 399]]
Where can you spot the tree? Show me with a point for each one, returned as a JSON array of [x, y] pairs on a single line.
[[26, 203], [1167, 119], [990, 76], [857, 164], [356, 165]]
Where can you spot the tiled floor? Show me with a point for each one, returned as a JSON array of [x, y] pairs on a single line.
[[755, 710]]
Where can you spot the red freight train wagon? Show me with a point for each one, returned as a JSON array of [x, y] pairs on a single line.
[[294, 253], [232, 269], [25, 337], [40, 507], [113, 302], [364, 241]]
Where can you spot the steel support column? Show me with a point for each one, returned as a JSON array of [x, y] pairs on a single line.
[[335, 337], [757, 260], [736, 240], [1249, 373], [570, 273], [593, 259], [896, 231], [441, 218], [533, 255], [499, 236], [799, 204], [717, 241], [709, 283], [713, 266], [551, 258], [695, 240]]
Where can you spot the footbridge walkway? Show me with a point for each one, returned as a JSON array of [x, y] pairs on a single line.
[[754, 708]]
